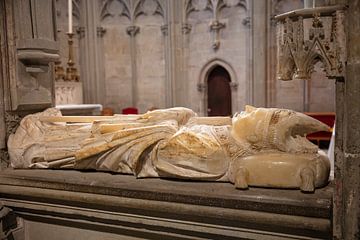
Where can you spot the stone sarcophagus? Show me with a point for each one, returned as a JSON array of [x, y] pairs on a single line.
[[258, 147]]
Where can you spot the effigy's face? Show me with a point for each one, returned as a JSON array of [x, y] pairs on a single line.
[[278, 129]]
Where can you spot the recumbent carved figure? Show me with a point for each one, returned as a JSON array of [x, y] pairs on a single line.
[[263, 147]]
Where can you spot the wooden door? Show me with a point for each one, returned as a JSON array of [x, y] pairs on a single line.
[[219, 92]]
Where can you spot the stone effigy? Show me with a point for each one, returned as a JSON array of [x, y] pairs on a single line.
[[263, 147]]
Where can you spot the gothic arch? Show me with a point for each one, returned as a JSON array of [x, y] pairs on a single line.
[[202, 83]]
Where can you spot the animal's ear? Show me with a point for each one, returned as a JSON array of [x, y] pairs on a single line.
[[249, 108]]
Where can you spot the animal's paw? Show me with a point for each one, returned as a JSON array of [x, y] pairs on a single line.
[[307, 180], [241, 178]]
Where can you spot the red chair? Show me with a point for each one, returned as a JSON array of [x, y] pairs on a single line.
[[326, 117], [130, 110]]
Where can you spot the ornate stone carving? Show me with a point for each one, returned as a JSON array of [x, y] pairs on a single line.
[[215, 7], [216, 26], [100, 31], [164, 29], [233, 3], [234, 85], [80, 31], [76, 9], [188, 8], [132, 30], [68, 93], [246, 21], [12, 121], [201, 87], [8, 223], [131, 9], [186, 28], [258, 147], [153, 7], [4, 159], [298, 50]]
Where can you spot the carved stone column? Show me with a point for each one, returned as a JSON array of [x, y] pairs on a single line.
[[259, 48], [91, 53], [173, 55], [132, 30]]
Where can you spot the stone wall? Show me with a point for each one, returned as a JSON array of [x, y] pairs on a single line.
[[157, 53], [203, 55]]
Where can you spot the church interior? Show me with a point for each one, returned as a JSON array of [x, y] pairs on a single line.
[[102, 58]]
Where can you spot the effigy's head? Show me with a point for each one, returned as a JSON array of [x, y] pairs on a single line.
[[273, 128]]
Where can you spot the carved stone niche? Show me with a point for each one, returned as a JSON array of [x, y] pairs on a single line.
[[306, 36], [33, 49]]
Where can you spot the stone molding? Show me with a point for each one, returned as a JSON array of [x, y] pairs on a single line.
[[155, 207]]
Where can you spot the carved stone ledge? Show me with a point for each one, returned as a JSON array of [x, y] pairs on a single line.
[[132, 30]]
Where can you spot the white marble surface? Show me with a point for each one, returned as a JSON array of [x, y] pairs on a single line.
[[80, 109], [79, 106]]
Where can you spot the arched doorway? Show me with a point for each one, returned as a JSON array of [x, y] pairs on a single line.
[[219, 92]]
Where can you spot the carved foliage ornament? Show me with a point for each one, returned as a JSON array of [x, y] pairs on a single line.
[[215, 7], [299, 50], [12, 122]]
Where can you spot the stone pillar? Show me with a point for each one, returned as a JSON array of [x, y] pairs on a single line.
[[182, 87], [92, 75], [172, 72], [347, 146], [259, 60], [132, 30]]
